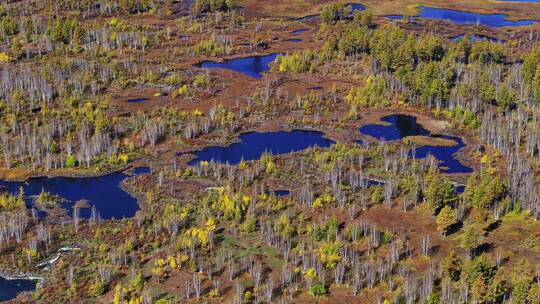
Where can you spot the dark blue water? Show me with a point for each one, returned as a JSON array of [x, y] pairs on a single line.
[[254, 144], [252, 66], [397, 126], [10, 288], [462, 17], [400, 126], [299, 31], [294, 40], [137, 100], [356, 6], [475, 38], [102, 192], [449, 163]]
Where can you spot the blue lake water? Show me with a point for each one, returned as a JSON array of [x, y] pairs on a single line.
[[299, 31], [10, 288], [103, 192], [252, 66], [396, 127], [400, 126], [463, 17], [254, 144], [356, 6], [294, 40], [449, 162]]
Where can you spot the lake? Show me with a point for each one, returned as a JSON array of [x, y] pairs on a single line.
[[253, 144], [299, 31], [475, 38], [253, 66], [103, 192], [399, 126], [466, 18], [9, 289]]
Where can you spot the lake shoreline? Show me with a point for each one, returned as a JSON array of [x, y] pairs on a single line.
[[25, 175]]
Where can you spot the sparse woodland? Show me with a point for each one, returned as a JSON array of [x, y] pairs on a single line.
[[365, 221]]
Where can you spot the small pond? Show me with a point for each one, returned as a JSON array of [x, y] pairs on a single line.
[[253, 144], [475, 38], [463, 17], [9, 289], [299, 31], [103, 192], [137, 100], [294, 40], [399, 126], [394, 17], [252, 66]]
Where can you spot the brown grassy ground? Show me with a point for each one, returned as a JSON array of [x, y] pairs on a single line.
[[430, 141]]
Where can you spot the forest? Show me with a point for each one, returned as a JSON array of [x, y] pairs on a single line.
[[247, 151]]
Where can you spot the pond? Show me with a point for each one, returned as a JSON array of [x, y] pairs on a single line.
[[475, 38], [299, 31], [103, 192], [9, 289], [463, 17], [356, 6], [252, 66], [399, 126], [253, 144], [137, 100], [394, 17], [294, 40]]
